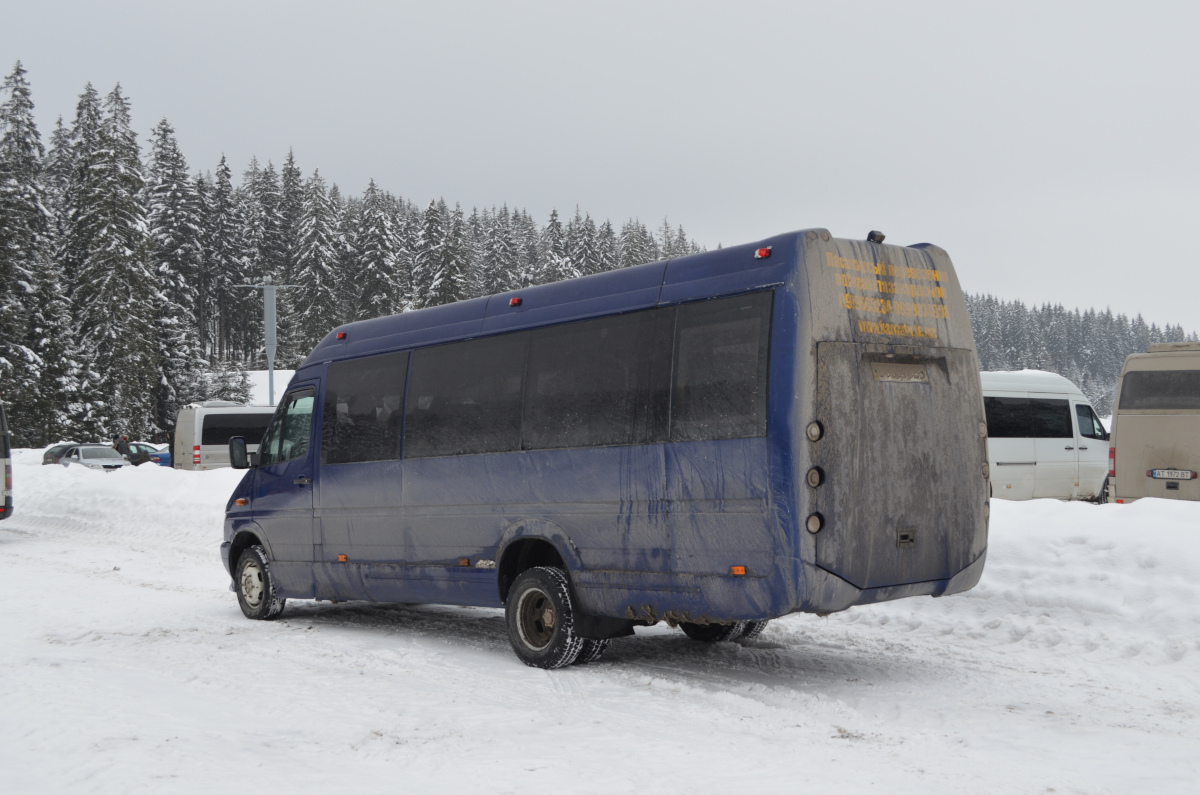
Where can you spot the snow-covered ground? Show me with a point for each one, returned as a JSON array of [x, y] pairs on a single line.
[[126, 666]]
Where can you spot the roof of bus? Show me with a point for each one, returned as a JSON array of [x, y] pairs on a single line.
[[727, 270], [1027, 381]]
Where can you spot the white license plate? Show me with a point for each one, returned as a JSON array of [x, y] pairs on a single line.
[[1172, 474]]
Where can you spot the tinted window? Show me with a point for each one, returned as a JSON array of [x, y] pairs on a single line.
[[719, 384], [465, 397], [364, 401], [100, 452], [1007, 418], [218, 428], [599, 382], [1089, 424], [288, 436], [1177, 390], [1050, 419]]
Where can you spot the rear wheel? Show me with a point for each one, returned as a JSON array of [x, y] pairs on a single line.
[[1102, 497], [540, 618], [714, 633], [591, 651], [754, 629], [256, 587]]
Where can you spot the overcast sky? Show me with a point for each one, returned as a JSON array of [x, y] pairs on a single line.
[[1051, 148]]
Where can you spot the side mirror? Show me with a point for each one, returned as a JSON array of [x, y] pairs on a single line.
[[238, 458]]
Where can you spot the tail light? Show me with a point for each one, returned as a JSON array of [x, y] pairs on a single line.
[[1112, 462], [7, 479], [196, 454]]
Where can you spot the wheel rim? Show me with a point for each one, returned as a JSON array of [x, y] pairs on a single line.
[[252, 584], [536, 618]]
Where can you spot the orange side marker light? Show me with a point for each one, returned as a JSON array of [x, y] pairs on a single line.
[[737, 571], [241, 501], [341, 558], [464, 561]]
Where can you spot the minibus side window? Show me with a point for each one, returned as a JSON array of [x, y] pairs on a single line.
[[363, 409], [599, 382], [465, 397], [1050, 419], [1089, 425], [287, 438], [1007, 418], [719, 385]]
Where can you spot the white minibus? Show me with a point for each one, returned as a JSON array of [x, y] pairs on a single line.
[[203, 431], [1155, 446], [1044, 438]]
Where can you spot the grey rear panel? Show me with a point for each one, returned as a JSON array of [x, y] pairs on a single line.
[[905, 496]]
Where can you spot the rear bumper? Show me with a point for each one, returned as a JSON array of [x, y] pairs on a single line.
[[828, 593]]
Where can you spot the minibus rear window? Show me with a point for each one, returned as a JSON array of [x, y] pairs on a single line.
[[1172, 390], [219, 428]]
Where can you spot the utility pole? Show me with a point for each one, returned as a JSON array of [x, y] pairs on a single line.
[[269, 328]]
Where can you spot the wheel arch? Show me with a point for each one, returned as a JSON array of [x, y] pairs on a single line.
[[533, 542], [245, 537]]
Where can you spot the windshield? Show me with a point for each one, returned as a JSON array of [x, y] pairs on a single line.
[[99, 452]]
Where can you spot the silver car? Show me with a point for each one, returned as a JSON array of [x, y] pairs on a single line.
[[94, 456]]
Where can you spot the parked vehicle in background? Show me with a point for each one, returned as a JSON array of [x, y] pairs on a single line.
[[203, 431], [141, 452], [712, 441], [1044, 438], [55, 452], [6, 498], [1155, 445], [94, 456], [162, 456]]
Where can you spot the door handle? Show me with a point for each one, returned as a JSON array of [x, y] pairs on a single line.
[[303, 481], [1081, 447], [1068, 448]]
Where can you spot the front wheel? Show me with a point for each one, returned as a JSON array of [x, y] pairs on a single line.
[[754, 629], [540, 618], [256, 587], [714, 633]]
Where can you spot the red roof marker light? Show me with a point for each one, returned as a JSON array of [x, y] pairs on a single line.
[[341, 335], [762, 253], [514, 301]]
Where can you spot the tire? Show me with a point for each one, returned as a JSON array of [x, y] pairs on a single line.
[[754, 629], [714, 633], [255, 587], [591, 651], [540, 618], [1102, 497]]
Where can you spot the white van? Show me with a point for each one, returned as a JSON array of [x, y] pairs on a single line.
[[203, 430], [1044, 438], [1156, 425]]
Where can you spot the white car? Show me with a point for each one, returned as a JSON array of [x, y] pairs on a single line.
[[94, 456]]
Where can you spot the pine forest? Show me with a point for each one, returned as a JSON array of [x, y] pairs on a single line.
[[124, 273]]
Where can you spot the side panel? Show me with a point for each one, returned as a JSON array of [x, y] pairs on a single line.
[[1013, 462], [185, 438]]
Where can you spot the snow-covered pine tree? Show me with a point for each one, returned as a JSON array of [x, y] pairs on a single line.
[[349, 214], [375, 275], [81, 191], [500, 259], [24, 251], [429, 258], [525, 236], [175, 225], [223, 257], [316, 293], [582, 252], [116, 291], [636, 244], [606, 247], [456, 284], [553, 263]]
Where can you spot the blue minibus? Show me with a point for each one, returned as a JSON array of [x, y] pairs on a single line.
[[712, 441]]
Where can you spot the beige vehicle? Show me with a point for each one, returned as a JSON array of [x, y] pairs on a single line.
[[1155, 446], [203, 430]]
